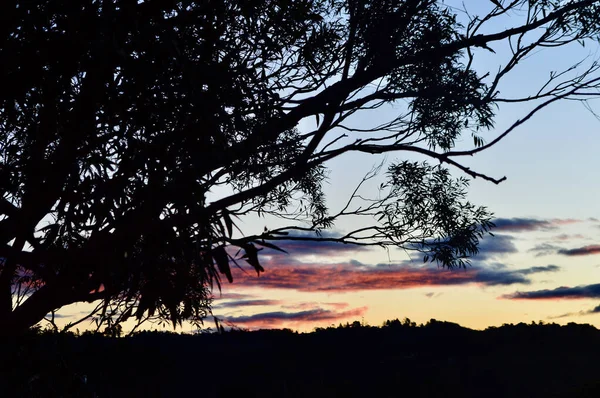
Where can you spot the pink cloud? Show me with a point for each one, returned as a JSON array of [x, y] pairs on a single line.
[[305, 306], [564, 221], [281, 319], [581, 251], [345, 277], [565, 237]]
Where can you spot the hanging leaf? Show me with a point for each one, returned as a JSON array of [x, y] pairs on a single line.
[[228, 222], [220, 256], [251, 256], [127, 314]]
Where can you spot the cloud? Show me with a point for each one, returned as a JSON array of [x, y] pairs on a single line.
[[594, 310], [344, 277], [63, 316], [308, 247], [495, 278], [564, 237], [581, 251], [309, 305], [494, 246], [564, 221], [520, 224], [535, 270], [489, 247], [247, 303], [530, 224], [490, 277], [280, 318], [563, 292], [231, 295], [544, 249], [283, 304]]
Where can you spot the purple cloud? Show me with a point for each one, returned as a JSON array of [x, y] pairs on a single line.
[[594, 310], [247, 303], [581, 251], [497, 245], [563, 292], [544, 249], [278, 319], [530, 224], [299, 247], [345, 277]]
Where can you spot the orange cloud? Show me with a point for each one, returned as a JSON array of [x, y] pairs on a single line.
[[345, 277]]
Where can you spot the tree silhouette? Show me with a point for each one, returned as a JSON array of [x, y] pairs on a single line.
[[120, 118]]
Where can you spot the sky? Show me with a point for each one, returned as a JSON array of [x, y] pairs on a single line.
[[542, 264]]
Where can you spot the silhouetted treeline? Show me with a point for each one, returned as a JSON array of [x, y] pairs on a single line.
[[397, 359]]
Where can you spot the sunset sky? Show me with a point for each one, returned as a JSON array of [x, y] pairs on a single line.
[[542, 264]]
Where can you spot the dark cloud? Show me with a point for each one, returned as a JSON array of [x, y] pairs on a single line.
[[544, 249], [247, 303], [62, 316], [432, 294], [565, 237], [594, 310], [308, 247], [281, 318], [563, 292], [494, 246], [490, 246], [581, 251], [529, 224], [344, 277], [493, 277], [310, 305], [520, 224], [535, 270]]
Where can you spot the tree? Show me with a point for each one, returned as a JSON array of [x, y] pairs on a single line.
[[119, 119]]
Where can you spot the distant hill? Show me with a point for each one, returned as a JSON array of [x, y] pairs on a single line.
[[399, 359]]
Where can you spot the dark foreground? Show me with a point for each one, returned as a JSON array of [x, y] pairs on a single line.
[[398, 360]]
